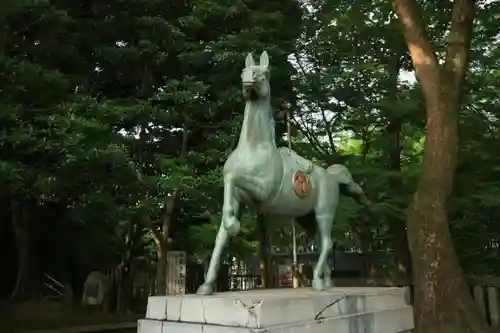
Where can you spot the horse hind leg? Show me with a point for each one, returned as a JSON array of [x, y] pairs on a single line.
[[327, 274], [230, 208], [320, 279]]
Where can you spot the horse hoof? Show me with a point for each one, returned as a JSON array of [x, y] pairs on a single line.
[[328, 283], [318, 285], [205, 289], [233, 227]]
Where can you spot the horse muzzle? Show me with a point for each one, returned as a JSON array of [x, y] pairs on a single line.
[[248, 86]]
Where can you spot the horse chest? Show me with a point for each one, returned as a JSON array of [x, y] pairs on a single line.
[[252, 163]]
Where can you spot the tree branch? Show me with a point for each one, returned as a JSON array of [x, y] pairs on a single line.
[[309, 135], [155, 233], [459, 40], [328, 129], [421, 51], [30, 25], [321, 109]]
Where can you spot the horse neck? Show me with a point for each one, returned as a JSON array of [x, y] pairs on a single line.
[[257, 126]]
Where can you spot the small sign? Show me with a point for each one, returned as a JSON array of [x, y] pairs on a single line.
[[176, 273]]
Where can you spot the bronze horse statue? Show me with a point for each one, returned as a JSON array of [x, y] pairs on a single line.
[[275, 181]]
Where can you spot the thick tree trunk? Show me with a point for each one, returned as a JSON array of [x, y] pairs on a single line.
[[161, 269], [443, 303]]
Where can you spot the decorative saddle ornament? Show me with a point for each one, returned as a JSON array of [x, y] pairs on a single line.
[[301, 183]]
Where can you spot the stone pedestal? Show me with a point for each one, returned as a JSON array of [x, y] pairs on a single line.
[[339, 310]]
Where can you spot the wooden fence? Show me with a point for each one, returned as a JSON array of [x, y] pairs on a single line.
[[485, 290]]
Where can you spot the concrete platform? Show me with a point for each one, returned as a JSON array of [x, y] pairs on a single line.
[[342, 310]]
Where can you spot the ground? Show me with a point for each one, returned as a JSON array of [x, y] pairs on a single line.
[[43, 315]]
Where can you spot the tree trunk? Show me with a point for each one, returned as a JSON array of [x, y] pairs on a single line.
[[161, 269], [365, 242], [161, 238], [361, 230], [125, 284], [22, 239], [443, 303], [397, 225], [265, 274]]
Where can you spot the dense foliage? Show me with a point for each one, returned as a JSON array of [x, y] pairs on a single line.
[[108, 108]]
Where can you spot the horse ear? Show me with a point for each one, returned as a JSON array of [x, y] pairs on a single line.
[[249, 61], [264, 59]]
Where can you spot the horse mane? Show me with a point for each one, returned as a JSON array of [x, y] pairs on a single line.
[[272, 123]]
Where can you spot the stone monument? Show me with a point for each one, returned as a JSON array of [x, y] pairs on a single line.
[[278, 182], [96, 292]]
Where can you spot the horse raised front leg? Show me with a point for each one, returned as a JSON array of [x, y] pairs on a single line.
[[207, 288], [325, 223], [230, 207], [233, 211]]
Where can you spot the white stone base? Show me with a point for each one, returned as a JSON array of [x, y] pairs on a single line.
[[339, 310]]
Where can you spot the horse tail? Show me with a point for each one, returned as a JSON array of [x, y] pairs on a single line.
[[341, 173], [347, 185]]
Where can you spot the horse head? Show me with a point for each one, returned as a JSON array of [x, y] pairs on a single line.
[[255, 78]]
